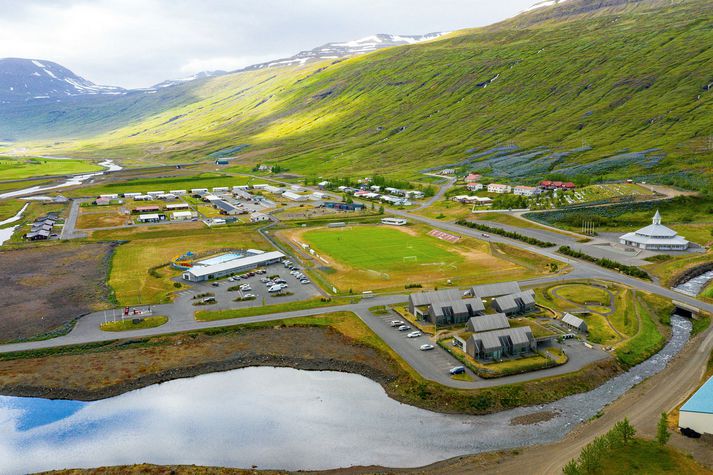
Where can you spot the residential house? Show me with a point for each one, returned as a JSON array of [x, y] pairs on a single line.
[[574, 322], [499, 188], [518, 303]]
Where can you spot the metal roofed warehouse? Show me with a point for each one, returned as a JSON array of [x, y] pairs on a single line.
[[223, 269], [697, 412]]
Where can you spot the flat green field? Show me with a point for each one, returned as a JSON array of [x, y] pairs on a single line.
[[380, 249], [375, 257], [18, 168]]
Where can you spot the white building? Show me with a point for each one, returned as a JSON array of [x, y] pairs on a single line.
[[498, 188], [150, 218], [109, 197], [655, 237], [131, 195], [291, 195], [523, 190], [697, 412], [394, 221], [177, 192], [177, 206], [220, 189], [199, 273], [474, 186], [181, 215], [156, 193], [259, 217], [479, 200]]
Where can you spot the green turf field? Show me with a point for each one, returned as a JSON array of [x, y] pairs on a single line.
[[378, 248]]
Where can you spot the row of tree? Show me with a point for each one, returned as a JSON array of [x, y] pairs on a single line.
[[622, 434], [505, 233], [607, 263]]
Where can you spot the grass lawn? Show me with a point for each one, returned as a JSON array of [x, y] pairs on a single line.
[[538, 330], [624, 317], [376, 257], [18, 168], [511, 220], [9, 208], [583, 294], [128, 324], [130, 277], [645, 343], [208, 315], [101, 218], [17, 185], [520, 365], [648, 457], [599, 331], [668, 270]]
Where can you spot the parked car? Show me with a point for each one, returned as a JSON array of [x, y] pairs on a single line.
[[404, 328], [275, 288], [396, 323], [426, 347], [249, 296], [457, 370], [415, 334], [304, 282], [215, 284]]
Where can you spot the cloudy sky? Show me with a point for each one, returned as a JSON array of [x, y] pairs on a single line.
[[136, 43]]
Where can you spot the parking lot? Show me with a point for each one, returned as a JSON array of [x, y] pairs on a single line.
[[226, 299], [435, 361]]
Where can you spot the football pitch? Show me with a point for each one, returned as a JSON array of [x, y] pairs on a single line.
[[379, 248]]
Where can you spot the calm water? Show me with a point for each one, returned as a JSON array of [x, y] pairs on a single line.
[[277, 418]]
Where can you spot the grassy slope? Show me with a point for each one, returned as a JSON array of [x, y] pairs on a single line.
[[626, 80]]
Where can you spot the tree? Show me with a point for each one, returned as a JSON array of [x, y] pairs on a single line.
[[571, 468], [625, 430], [381, 209], [662, 433]]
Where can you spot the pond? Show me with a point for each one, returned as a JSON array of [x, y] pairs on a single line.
[[278, 418]]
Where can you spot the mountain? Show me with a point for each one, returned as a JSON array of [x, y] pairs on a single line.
[[349, 48], [176, 82], [597, 89], [24, 80]]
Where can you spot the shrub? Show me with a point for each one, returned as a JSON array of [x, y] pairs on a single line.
[[505, 233]]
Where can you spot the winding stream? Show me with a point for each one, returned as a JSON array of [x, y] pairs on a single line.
[[6, 233], [279, 418]]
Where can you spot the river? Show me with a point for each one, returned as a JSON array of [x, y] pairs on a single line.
[[71, 181], [694, 286], [279, 418], [6, 233]]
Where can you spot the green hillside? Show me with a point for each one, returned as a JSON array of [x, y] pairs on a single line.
[[599, 93]]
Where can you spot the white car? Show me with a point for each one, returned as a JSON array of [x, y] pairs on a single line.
[[249, 296], [275, 288], [415, 334], [404, 328], [426, 347], [245, 287], [396, 323]]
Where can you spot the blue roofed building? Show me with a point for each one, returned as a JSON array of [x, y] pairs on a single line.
[[697, 413]]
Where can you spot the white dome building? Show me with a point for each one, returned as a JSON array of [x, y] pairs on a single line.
[[655, 237]]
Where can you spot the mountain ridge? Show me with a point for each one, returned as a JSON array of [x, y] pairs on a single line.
[[621, 91]]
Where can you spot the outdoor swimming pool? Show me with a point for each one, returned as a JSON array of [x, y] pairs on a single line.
[[220, 259]]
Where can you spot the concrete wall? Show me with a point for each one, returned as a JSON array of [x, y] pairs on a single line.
[[700, 422]]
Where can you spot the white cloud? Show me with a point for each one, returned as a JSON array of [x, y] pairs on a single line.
[[135, 43]]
